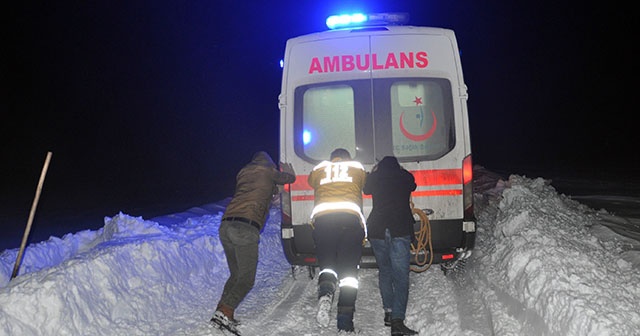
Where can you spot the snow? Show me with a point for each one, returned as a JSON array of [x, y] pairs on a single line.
[[544, 264]]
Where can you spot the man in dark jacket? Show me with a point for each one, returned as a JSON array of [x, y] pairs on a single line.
[[239, 231], [338, 233], [390, 232]]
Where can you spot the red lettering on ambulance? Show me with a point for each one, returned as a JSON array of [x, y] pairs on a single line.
[[366, 62], [406, 60], [391, 61], [374, 61], [332, 64], [347, 63], [362, 66], [315, 66], [422, 60]]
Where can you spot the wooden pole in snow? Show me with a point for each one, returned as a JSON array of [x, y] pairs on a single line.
[[31, 215]]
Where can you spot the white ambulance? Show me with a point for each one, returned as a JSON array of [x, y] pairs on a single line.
[[379, 88]]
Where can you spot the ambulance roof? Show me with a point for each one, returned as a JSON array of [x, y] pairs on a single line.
[[374, 30]]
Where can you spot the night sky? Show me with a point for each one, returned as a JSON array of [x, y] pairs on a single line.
[[151, 107]]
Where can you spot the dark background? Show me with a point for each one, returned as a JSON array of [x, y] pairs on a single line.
[[151, 107]]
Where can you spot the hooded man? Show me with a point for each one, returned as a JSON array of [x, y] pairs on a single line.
[[240, 228], [390, 228]]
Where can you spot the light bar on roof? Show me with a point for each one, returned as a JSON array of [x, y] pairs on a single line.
[[364, 20]]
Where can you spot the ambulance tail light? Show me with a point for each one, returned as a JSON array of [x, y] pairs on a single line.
[[285, 207], [467, 170], [366, 20], [467, 186]]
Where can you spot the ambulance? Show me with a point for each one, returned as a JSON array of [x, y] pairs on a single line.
[[377, 87]]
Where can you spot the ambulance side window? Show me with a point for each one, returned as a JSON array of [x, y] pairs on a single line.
[[328, 120]]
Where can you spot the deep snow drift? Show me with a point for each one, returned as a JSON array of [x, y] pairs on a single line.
[[544, 264]]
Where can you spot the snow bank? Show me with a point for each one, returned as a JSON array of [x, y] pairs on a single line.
[[541, 266], [536, 251], [125, 279]]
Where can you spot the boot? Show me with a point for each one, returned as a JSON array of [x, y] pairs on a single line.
[[345, 322], [223, 318], [226, 310], [324, 310], [399, 329], [387, 319]]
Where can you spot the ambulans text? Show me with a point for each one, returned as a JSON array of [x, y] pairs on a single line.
[[345, 63]]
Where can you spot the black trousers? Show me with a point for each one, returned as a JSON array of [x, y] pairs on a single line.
[[338, 238]]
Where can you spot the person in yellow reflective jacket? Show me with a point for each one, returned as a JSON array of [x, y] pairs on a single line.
[[339, 230]]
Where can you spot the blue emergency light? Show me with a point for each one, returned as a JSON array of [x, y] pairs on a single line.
[[306, 137], [362, 20]]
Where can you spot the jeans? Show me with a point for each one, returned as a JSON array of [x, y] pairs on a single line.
[[393, 256], [240, 242]]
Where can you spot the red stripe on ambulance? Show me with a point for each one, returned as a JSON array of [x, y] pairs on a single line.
[[424, 178]]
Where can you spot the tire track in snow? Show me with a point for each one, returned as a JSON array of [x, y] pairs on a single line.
[[472, 308]]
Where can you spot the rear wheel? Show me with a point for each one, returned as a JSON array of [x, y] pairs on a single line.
[[453, 267]]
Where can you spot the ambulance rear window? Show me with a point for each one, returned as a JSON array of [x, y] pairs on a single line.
[[421, 119], [329, 120], [409, 118]]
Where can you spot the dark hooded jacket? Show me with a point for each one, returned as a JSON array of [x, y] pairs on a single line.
[[256, 183], [390, 186]]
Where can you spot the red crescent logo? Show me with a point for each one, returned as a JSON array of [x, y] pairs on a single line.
[[418, 137]]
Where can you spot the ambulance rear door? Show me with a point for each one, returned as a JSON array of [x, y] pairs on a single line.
[[420, 117], [317, 86]]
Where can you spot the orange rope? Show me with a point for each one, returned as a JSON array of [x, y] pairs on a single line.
[[423, 242]]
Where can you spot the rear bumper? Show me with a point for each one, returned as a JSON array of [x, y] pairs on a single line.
[[449, 242]]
